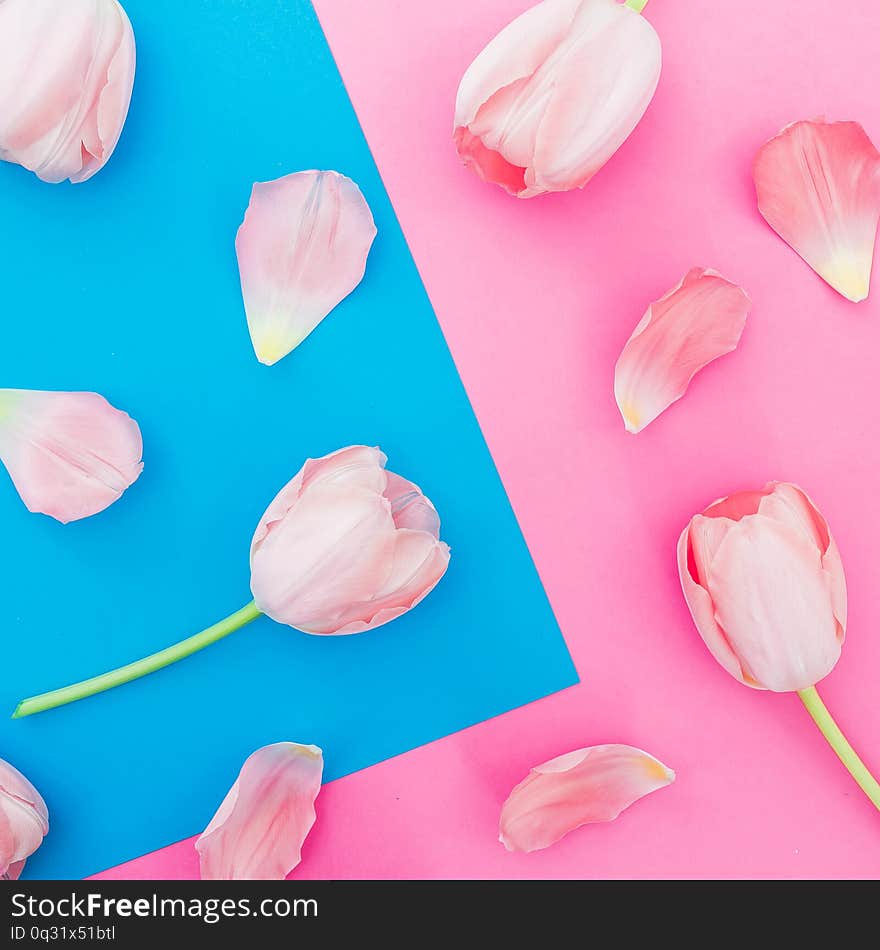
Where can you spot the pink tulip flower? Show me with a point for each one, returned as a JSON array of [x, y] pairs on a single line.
[[579, 788], [818, 187], [24, 821], [259, 829], [764, 582], [345, 547], [70, 455], [556, 93], [66, 73]]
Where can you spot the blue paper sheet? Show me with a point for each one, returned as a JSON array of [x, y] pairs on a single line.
[[128, 285]]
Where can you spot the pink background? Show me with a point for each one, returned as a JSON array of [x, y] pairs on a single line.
[[536, 299]]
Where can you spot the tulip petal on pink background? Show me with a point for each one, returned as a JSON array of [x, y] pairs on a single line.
[[818, 187], [24, 821], [66, 75], [700, 319], [764, 582], [70, 455], [259, 828], [302, 248], [346, 546], [554, 95], [578, 788]]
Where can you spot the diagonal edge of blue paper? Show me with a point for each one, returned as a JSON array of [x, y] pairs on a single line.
[[128, 285]]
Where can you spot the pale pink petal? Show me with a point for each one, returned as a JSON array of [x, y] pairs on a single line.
[[420, 561], [601, 95], [302, 248], [581, 787], [703, 610], [771, 597], [336, 548], [24, 820], [697, 321], [70, 455], [409, 507], [258, 832], [66, 74], [818, 187]]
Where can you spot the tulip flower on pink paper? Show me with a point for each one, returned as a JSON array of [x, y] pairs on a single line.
[[70, 455], [579, 788], [302, 248], [700, 319], [345, 547], [24, 821], [764, 582], [259, 829], [818, 187], [66, 74], [556, 93]]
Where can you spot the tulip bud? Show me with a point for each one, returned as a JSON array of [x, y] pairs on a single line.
[[24, 821], [346, 546], [764, 583], [66, 73], [556, 93]]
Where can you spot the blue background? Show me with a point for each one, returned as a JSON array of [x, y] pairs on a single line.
[[128, 285]]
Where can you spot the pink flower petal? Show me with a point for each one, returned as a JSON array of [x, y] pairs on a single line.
[[818, 187], [70, 455], [258, 832], [581, 787], [66, 74], [697, 321], [24, 820], [302, 248]]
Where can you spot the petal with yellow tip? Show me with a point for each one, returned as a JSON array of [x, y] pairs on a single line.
[[818, 187], [302, 248], [700, 319], [575, 789]]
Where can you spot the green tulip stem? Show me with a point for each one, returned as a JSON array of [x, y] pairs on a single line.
[[837, 740], [133, 671], [637, 5]]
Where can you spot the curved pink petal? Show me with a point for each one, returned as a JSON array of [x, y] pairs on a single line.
[[581, 787], [702, 609], [771, 597], [697, 321], [409, 506], [818, 187], [554, 95], [70, 455], [599, 99], [24, 820], [301, 249], [258, 832], [66, 74]]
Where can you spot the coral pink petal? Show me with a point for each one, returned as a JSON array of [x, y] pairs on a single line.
[[600, 97], [770, 595], [818, 187], [697, 321], [258, 832], [302, 248], [410, 508], [581, 787], [70, 455]]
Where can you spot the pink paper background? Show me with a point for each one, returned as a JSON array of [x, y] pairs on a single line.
[[536, 299]]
